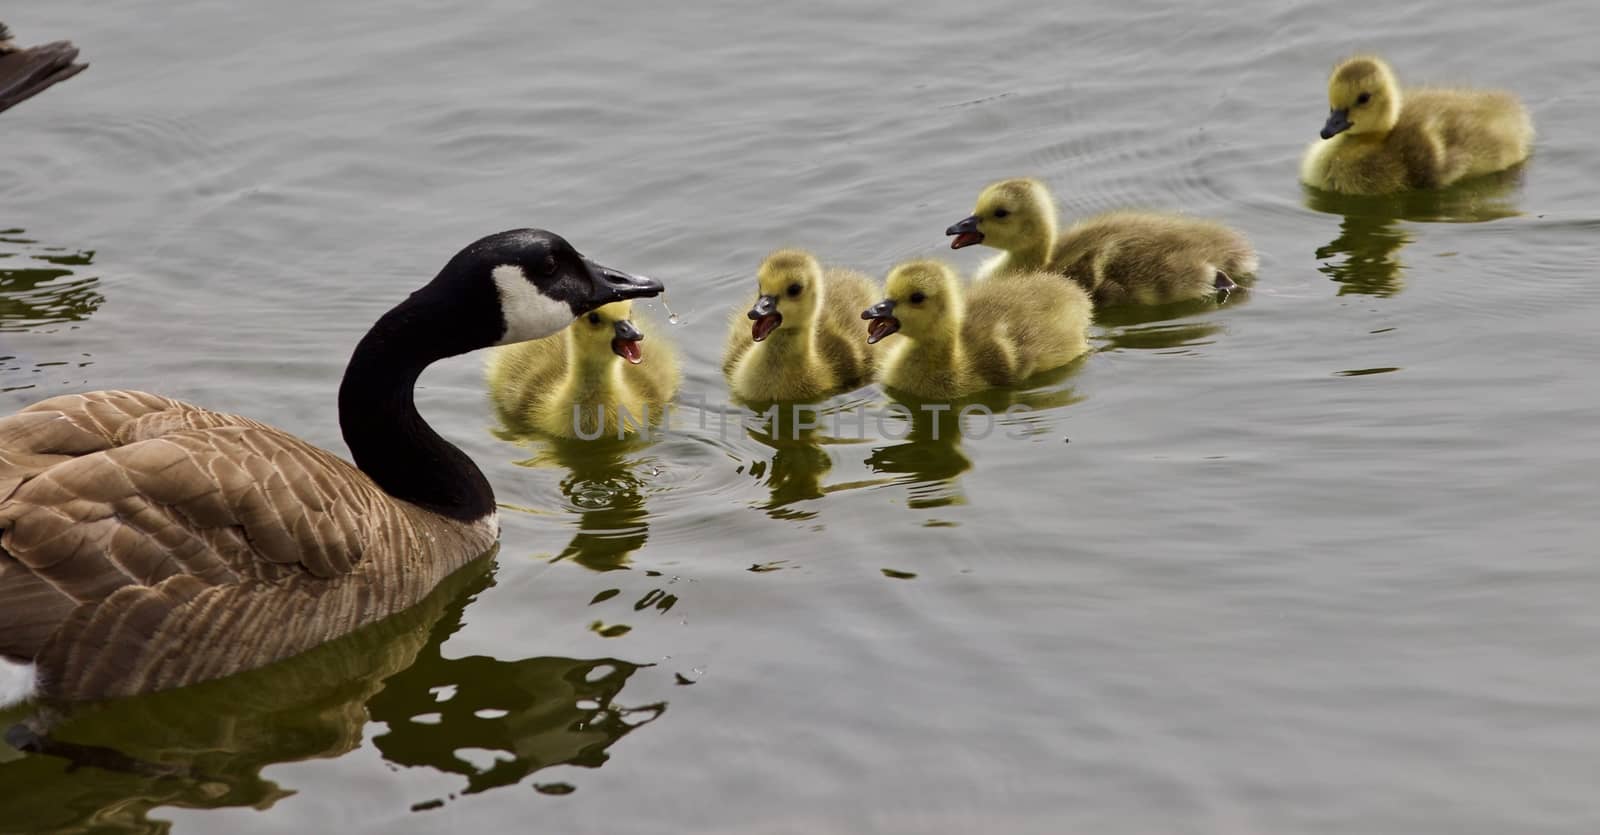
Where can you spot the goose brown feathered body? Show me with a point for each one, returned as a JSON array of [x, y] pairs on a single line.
[[147, 543], [130, 521]]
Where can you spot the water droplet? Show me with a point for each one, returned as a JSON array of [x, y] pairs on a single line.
[[672, 318]]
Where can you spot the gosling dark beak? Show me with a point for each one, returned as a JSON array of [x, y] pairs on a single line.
[[881, 321], [626, 343], [966, 232], [611, 285], [766, 317], [765, 306], [626, 331], [1338, 122]]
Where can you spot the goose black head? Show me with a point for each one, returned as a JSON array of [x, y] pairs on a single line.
[[537, 283]]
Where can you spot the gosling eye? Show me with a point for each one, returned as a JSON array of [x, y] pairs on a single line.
[[794, 290], [1363, 99], [1000, 213], [594, 318], [918, 297]]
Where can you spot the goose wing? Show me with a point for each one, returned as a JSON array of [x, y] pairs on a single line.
[[25, 73], [125, 516]]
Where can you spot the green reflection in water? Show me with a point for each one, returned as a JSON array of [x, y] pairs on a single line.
[[604, 485], [111, 764], [799, 436], [929, 460], [40, 285], [1371, 236], [1154, 327]]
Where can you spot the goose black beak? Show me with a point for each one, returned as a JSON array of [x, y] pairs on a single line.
[[966, 232], [766, 317], [611, 285], [1338, 122], [626, 343], [880, 321]]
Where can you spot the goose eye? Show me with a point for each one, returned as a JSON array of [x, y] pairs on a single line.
[[594, 318], [794, 290], [918, 297], [1000, 213], [1363, 98]]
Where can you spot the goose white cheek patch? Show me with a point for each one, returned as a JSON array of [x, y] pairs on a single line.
[[529, 314], [17, 682]]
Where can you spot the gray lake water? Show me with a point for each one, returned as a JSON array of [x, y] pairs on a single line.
[[1313, 560]]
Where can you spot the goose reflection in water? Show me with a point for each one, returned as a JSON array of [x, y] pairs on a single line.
[[40, 286], [929, 460], [107, 767], [1371, 234], [41, 289]]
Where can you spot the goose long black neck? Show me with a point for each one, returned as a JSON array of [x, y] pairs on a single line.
[[389, 440]]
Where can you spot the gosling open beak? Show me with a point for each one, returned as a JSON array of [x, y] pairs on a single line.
[[626, 343], [966, 232], [766, 317], [1338, 122], [609, 285], [880, 321]]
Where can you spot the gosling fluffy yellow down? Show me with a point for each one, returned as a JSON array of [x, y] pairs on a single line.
[[1377, 141], [590, 380], [800, 340], [1121, 257], [997, 332]]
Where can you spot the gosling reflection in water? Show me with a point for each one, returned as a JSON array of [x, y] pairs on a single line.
[[929, 460], [603, 486], [1371, 235], [107, 767], [800, 458]]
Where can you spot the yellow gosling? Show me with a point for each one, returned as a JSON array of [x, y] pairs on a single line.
[[800, 340], [1120, 257], [1378, 141], [590, 380], [997, 332]]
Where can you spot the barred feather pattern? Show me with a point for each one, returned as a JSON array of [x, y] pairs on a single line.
[[147, 543]]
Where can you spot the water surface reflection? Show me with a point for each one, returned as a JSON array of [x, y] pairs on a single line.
[[1371, 236], [800, 436], [603, 485], [41, 285], [107, 767], [928, 458]]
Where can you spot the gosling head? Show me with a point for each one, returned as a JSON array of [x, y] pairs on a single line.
[[1363, 98], [608, 330], [921, 299], [789, 289], [523, 284], [1011, 215]]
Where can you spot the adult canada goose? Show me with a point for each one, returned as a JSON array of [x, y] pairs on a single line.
[[147, 543], [1377, 141], [800, 340], [1120, 257], [27, 71], [998, 332]]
